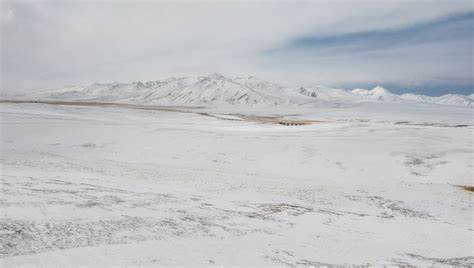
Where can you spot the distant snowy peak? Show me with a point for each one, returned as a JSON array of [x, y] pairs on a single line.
[[449, 99], [217, 90], [378, 93], [329, 94], [215, 76], [452, 99], [381, 94]]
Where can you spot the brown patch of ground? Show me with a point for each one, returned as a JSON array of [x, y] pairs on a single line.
[[278, 120], [264, 119], [407, 123], [182, 109], [466, 188]]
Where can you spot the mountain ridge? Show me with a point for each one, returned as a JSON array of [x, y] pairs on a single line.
[[217, 90]]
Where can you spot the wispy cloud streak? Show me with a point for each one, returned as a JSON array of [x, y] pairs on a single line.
[[453, 27]]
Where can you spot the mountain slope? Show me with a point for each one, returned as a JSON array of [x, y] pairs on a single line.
[[448, 99], [331, 94], [378, 93], [383, 95], [214, 89], [218, 90]]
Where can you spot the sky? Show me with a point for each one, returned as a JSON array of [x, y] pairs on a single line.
[[423, 46]]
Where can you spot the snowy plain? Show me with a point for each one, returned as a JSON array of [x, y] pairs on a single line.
[[369, 183]]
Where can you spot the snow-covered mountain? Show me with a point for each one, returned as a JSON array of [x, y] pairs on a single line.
[[378, 93], [213, 89], [448, 99], [218, 90], [384, 95]]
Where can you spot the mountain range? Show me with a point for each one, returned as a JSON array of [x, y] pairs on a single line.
[[218, 90]]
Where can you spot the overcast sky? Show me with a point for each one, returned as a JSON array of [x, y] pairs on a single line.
[[421, 46]]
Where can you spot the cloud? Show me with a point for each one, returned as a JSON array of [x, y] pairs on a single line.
[[452, 27], [51, 44], [6, 15], [431, 53]]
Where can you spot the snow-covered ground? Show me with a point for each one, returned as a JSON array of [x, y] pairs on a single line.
[[372, 183]]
